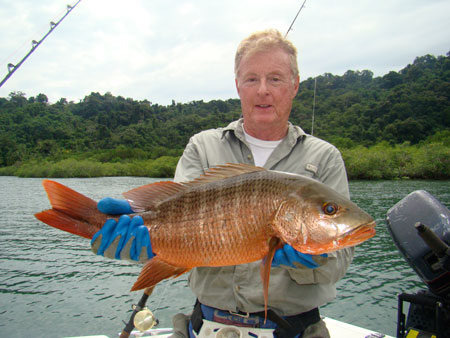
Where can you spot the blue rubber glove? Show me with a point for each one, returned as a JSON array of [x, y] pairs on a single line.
[[128, 238], [290, 257], [113, 206]]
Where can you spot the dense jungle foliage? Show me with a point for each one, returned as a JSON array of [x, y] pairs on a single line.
[[396, 125]]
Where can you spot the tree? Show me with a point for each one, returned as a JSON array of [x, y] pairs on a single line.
[[42, 98], [391, 79]]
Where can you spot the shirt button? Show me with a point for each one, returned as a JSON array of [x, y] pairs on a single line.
[[237, 287], [249, 157]]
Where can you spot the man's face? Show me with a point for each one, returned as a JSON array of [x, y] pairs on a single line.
[[266, 86]]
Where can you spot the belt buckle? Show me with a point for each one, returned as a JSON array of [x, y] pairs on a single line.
[[234, 313]]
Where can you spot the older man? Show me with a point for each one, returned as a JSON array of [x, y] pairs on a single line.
[[267, 81]]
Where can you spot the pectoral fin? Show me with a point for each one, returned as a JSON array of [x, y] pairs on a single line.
[[274, 244]]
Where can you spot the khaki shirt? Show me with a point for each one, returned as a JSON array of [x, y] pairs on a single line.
[[239, 288]]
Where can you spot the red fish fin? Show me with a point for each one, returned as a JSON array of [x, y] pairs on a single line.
[[156, 270], [221, 172], [69, 201], [72, 211], [65, 222], [148, 196], [266, 264]]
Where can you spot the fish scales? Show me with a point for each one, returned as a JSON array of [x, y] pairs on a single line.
[[233, 214], [207, 224]]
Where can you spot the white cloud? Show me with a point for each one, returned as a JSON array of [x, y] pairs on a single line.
[[183, 50]]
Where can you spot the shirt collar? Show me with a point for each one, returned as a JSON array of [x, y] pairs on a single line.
[[237, 127]]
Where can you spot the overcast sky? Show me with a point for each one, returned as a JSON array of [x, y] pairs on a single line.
[[164, 50]]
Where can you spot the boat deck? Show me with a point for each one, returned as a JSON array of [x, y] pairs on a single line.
[[337, 329]]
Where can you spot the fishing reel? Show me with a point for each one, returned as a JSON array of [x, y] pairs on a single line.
[[144, 319]]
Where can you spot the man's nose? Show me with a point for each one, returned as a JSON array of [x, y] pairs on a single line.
[[263, 89]]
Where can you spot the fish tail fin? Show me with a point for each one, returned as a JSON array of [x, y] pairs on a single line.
[[66, 223], [72, 211], [154, 271]]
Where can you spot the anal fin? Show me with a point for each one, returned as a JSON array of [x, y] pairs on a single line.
[[156, 270]]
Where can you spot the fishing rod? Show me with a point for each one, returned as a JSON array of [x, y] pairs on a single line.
[[315, 80], [293, 21], [35, 44], [314, 107]]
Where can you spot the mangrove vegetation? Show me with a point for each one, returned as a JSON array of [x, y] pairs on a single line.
[[387, 127]]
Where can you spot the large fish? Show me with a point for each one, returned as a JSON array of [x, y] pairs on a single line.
[[233, 214]]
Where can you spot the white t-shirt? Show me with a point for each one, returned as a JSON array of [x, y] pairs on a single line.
[[261, 149]]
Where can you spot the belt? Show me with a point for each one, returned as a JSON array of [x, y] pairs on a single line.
[[285, 327]]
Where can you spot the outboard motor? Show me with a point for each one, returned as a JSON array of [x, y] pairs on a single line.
[[420, 227]]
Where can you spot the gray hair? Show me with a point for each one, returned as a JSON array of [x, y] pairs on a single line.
[[263, 41]]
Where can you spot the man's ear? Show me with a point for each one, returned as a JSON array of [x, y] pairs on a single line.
[[237, 86], [296, 85]]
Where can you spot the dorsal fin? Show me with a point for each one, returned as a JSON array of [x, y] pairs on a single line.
[[223, 171], [149, 196]]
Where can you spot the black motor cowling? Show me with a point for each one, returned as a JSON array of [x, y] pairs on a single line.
[[421, 214], [420, 228]]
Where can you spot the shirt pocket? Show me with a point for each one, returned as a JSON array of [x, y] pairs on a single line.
[[310, 170], [302, 276], [324, 274]]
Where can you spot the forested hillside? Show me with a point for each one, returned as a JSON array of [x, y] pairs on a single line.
[[409, 107]]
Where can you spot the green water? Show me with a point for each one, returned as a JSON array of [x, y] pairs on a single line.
[[51, 285]]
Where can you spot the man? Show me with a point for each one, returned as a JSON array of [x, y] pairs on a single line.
[[267, 81]]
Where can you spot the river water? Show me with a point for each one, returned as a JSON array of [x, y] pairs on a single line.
[[51, 285]]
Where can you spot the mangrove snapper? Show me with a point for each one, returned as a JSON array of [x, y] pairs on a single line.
[[233, 214]]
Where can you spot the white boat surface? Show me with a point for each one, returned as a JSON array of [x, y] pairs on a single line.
[[336, 328]]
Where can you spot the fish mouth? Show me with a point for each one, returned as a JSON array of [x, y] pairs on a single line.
[[359, 234], [350, 238]]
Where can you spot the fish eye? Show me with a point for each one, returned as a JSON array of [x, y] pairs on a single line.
[[330, 208]]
